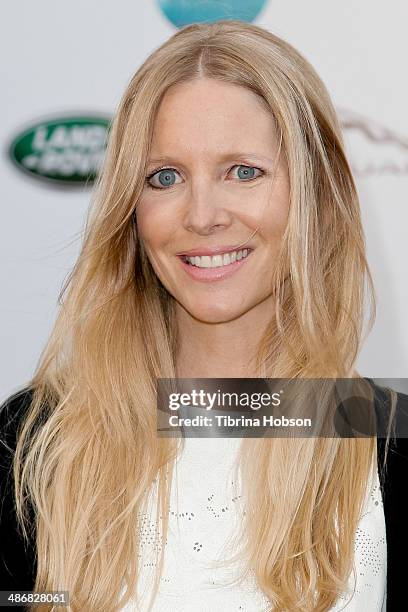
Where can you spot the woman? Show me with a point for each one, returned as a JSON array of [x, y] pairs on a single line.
[[224, 240]]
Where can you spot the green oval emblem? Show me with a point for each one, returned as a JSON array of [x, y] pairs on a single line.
[[67, 150]]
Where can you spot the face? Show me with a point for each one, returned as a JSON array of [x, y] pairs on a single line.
[[214, 187]]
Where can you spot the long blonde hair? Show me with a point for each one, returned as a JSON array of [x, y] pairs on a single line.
[[95, 454]]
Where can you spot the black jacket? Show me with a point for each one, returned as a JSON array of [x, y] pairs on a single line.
[[18, 563]]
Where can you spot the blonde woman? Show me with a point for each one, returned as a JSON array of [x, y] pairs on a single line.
[[224, 240]]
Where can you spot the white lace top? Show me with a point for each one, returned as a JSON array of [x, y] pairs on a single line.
[[205, 509]]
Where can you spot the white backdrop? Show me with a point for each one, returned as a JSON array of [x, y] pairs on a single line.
[[80, 56]]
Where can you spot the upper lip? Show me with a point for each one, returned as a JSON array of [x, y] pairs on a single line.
[[213, 250]]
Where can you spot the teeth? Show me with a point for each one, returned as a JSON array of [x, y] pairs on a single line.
[[216, 261]]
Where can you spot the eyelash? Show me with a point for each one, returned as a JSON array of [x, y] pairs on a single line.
[[168, 168]]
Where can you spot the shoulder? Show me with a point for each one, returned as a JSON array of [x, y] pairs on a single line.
[[12, 413], [393, 475], [17, 558], [392, 454]]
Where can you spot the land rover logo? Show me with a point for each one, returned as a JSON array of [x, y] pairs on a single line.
[[66, 150]]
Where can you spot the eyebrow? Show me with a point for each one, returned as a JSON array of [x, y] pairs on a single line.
[[238, 155]]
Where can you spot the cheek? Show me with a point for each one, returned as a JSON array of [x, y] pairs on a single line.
[[276, 223], [154, 226], [270, 216], [275, 218]]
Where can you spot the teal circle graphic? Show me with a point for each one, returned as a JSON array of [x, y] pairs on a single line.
[[184, 12]]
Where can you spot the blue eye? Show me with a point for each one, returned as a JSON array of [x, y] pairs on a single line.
[[167, 176], [246, 172]]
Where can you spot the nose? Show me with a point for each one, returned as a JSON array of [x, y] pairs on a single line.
[[206, 209]]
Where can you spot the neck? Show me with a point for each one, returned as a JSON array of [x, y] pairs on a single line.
[[226, 349]]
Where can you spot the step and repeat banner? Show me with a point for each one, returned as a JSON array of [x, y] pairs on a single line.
[[63, 72]]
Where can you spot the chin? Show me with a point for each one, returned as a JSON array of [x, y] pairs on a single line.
[[214, 313]]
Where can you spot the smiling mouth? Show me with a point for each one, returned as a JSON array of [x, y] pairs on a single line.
[[216, 261]]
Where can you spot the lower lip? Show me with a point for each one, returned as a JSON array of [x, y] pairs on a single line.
[[213, 274]]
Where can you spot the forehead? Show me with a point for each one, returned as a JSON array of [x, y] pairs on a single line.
[[209, 116]]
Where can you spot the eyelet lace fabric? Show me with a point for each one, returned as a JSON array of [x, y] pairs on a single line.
[[206, 510]]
